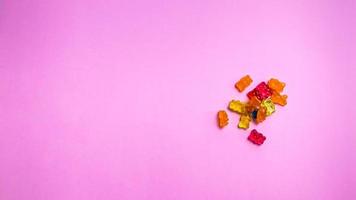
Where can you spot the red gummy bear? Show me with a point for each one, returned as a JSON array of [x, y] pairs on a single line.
[[256, 137], [262, 91]]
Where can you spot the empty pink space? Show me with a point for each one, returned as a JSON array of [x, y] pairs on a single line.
[[118, 99]]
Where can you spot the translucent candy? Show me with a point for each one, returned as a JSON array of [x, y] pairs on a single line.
[[279, 99], [237, 106], [261, 103], [252, 106], [256, 137], [262, 91], [249, 108], [276, 85], [244, 122], [261, 115], [243, 83], [255, 102], [223, 119], [269, 105]]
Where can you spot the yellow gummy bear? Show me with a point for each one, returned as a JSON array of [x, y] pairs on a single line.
[[237, 106], [269, 105], [244, 122]]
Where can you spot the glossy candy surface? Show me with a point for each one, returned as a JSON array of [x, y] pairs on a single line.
[[237, 106], [276, 85], [261, 104], [243, 83], [269, 105], [249, 108], [262, 91], [244, 122], [223, 119], [255, 102], [279, 99], [261, 115], [256, 137]]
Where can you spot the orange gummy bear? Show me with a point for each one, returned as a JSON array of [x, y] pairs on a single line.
[[261, 115], [279, 99], [223, 119], [243, 83], [249, 108], [276, 85], [255, 102]]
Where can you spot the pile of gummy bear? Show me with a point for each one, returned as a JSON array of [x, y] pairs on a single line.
[[260, 105]]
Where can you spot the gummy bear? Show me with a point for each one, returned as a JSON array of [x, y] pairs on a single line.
[[237, 106], [276, 85], [261, 115], [254, 101], [249, 108], [243, 83], [279, 99], [244, 122], [256, 137], [262, 91], [223, 119], [269, 105]]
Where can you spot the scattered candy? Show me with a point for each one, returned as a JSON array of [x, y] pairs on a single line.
[[243, 83], [276, 85], [244, 122], [249, 108], [255, 102], [261, 104], [256, 137], [269, 105], [279, 99], [261, 115], [262, 91], [237, 106], [223, 119]]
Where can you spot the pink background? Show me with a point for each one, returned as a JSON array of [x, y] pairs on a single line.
[[118, 99]]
